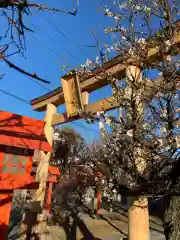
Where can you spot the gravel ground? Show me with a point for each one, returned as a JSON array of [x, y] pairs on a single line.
[[113, 227]]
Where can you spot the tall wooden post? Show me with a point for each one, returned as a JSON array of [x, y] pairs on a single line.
[[42, 171], [138, 217], [49, 197], [98, 201], [38, 210], [138, 211]]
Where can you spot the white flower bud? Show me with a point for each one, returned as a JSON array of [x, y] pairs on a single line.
[[97, 60], [124, 38], [101, 125], [98, 114], [138, 7], [130, 133]]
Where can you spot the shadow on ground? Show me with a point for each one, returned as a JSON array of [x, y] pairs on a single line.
[[71, 229]]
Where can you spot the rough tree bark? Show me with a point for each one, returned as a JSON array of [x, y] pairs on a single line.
[[171, 208], [138, 214], [172, 218]]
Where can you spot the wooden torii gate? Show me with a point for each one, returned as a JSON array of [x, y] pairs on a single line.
[[74, 93]]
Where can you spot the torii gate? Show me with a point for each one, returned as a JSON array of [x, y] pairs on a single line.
[[74, 93]]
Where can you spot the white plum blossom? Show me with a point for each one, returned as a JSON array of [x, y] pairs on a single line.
[[98, 114], [108, 120], [123, 6], [132, 52], [142, 41], [168, 43], [117, 19], [130, 132], [97, 60], [138, 7], [82, 66], [177, 64], [108, 12], [124, 38], [123, 29], [101, 125], [168, 58], [147, 9], [155, 4], [89, 63], [107, 30]]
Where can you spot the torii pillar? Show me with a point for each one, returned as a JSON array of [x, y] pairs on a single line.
[[42, 172]]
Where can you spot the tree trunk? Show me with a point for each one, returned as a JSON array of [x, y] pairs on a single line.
[[172, 218], [138, 227]]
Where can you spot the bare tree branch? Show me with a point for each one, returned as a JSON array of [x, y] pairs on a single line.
[[11, 65], [23, 4]]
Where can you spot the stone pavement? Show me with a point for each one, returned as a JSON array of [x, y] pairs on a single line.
[[114, 226]]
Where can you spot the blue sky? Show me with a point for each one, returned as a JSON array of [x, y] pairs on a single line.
[[40, 59]]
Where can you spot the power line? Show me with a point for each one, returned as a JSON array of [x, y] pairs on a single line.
[[72, 55], [26, 102], [42, 42], [65, 36], [51, 49], [14, 96], [48, 89]]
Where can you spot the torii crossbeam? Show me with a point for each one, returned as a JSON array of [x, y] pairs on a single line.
[[74, 92]]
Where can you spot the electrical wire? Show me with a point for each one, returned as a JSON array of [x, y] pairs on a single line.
[[42, 42], [48, 89], [51, 49], [26, 102], [65, 36], [72, 55], [14, 96]]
